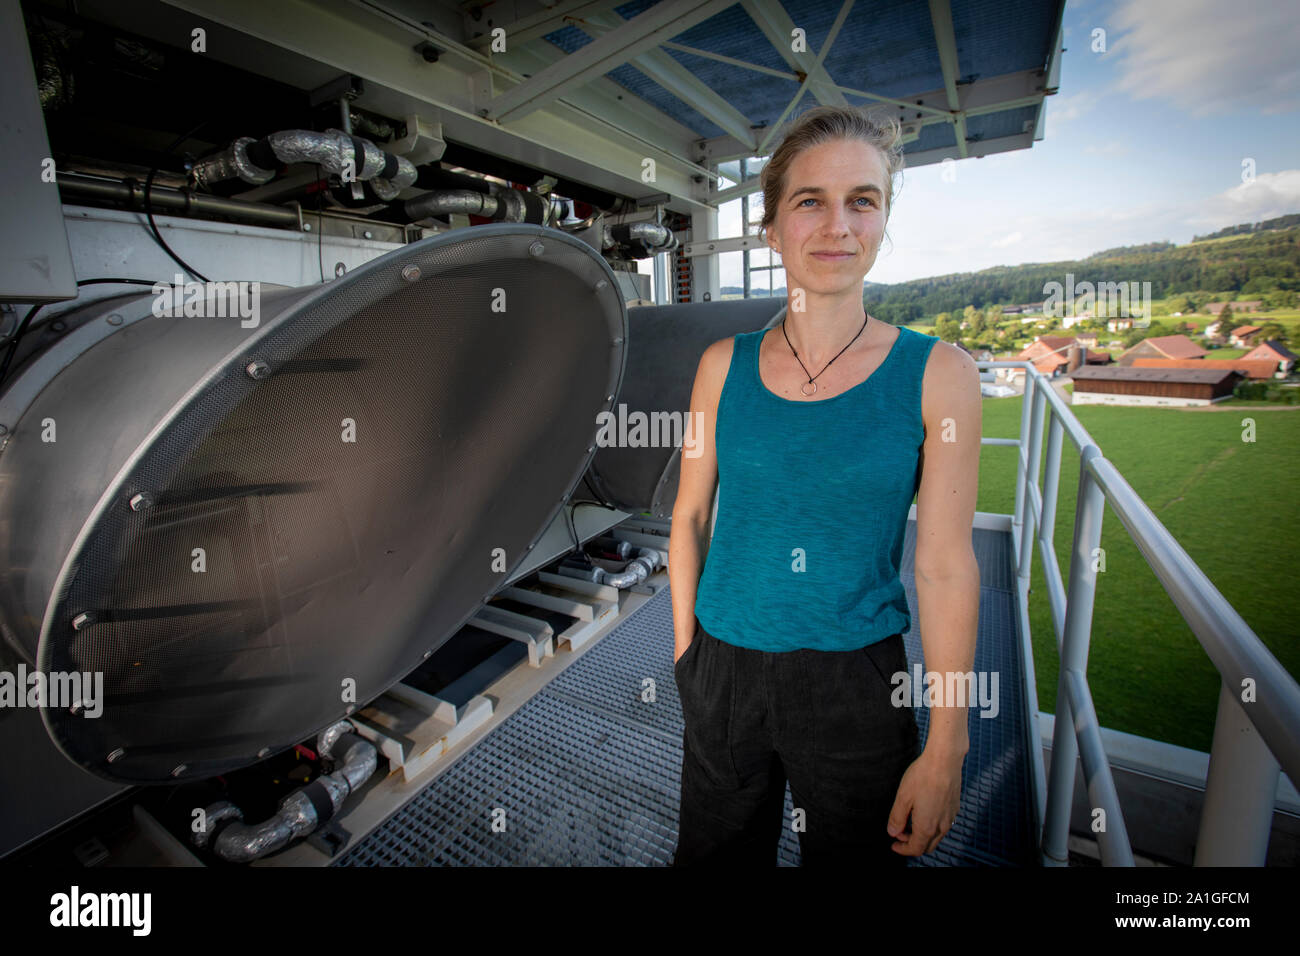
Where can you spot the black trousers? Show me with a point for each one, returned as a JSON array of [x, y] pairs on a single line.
[[821, 719]]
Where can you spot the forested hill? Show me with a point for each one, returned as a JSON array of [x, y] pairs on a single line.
[[1253, 263]]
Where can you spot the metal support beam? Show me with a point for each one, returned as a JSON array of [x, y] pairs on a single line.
[[771, 17], [679, 81], [946, 44], [661, 22], [816, 70], [536, 25], [1240, 790]]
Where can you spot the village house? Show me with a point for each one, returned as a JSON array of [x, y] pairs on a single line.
[[1055, 355], [1251, 305], [1243, 336], [1283, 359], [1162, 346]]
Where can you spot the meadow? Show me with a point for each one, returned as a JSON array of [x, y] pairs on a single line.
[[1231, 504]]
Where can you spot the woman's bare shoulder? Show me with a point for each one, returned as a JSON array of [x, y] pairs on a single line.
[[712, 371]]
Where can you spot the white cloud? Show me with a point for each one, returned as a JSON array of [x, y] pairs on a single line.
[[1269, 196], [1207, 58], [924, 247], [1065, 108]]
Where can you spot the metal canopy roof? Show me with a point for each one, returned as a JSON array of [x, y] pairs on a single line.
[[966, 77], [587, 89]]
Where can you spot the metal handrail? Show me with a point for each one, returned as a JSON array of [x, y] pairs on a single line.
[[1250, 736]]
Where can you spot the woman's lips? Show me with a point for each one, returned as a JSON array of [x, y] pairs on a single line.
[[833, 256]]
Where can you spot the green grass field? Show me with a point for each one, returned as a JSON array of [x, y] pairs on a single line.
[[1232, 505]]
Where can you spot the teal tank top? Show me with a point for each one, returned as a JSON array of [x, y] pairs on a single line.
[[813, 499]]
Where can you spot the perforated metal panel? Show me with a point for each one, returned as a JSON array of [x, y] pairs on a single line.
[[589, 774], [433, 406]]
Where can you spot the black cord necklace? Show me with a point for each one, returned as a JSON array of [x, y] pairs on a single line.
[[804, 388]]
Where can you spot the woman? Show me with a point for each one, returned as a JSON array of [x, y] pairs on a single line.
[[817, 434]]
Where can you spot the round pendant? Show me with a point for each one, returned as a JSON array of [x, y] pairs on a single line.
[[808, 388]]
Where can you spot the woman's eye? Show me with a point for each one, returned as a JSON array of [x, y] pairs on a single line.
[[866, 199]]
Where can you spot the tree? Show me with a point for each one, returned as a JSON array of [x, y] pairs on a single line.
[[1272, 330], [1226, 322], [948, 329]]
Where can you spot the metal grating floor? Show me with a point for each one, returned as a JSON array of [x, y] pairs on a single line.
[[587, 773]]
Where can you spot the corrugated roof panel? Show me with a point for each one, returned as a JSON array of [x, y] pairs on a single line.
[[1005, 123], [996, 37], [886, 47]]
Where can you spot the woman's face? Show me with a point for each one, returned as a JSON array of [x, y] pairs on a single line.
[[831, 218]]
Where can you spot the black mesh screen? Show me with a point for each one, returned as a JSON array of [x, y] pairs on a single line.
[[332, 561]]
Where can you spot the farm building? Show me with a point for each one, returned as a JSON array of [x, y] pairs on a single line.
[[1054, 354], [1251, 368], [1250, 305], [1243, 336], [1162, 346], [1127, 385], [1283, 358]]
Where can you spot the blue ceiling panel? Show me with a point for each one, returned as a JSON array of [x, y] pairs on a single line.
[[1006, 123], [885, 47], [934, 136], [996, 37]]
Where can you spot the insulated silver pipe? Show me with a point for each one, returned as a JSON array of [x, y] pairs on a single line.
[[638, 569], [334, 150], [302, 811]]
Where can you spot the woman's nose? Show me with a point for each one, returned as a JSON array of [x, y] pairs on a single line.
[[836, 222]]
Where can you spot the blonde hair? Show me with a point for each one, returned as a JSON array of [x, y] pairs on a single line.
[[824, 124]]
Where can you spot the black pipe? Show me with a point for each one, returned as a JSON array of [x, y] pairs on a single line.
[[131, 195]]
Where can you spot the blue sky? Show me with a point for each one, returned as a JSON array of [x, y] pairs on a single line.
[[1143, 142]]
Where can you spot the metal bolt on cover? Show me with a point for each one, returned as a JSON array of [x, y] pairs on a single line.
[[410, 273], [536, 248], [257, 369]]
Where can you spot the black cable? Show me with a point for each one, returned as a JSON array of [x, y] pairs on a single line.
[[25, 324], [320, 222], [597, 495], [148, 207], [572, 506]]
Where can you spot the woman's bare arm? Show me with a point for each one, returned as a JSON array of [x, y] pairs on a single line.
[[947, 593], [688, 544], [947, 575]]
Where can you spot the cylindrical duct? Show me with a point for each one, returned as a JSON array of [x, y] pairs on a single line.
[[253, 525], [665, 348]]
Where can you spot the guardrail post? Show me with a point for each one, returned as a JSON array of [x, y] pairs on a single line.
[[1029, 520], [1240, 788], [1074, 653], [1017, 530]]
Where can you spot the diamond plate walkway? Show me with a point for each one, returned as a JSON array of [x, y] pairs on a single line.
[[588, 774]]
